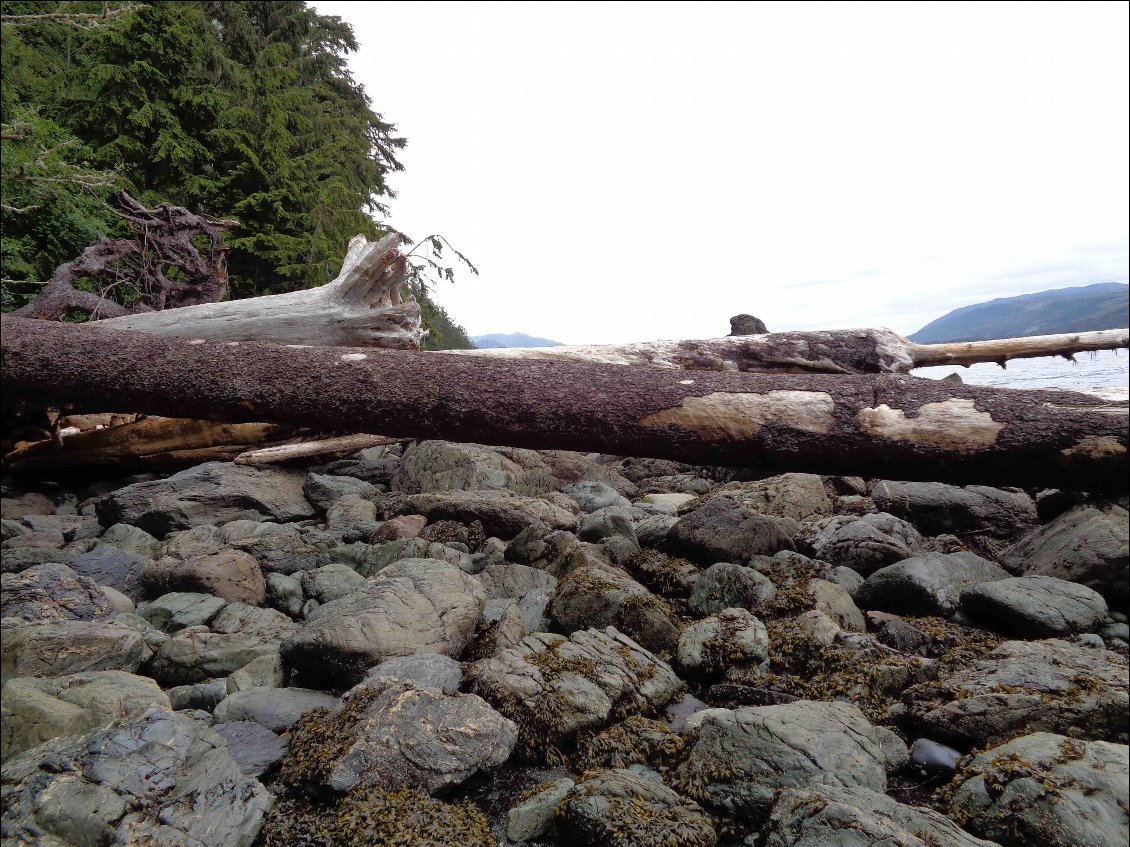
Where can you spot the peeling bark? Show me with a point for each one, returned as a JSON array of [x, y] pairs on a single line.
[[879, 426]]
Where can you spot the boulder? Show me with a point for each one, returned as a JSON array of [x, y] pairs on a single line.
[[399, 528], [130, 539], [423, 670], [61, 647], [609, 522], [930, 584], [731, 638], [349, 511], [252, 746], [413, 606], [51, 592], [513, 580], [936, 508], [599, 597], [591, 496], [1034, 606], [725, 585], [231, 575], [534, 815], [331, 582], [212, 493], [1046, 789], [439, 466], [323, 489], [283, 552], [181, 609], [115, 568], [799, 496], [275, 708], [1087, 545], [263, 672], [1023, 687], [35, 710], [723, 530], [501, 513], [157, 778]]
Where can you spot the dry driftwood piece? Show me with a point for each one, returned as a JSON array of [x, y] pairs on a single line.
[[887, 426], [361, 308], [843, 351], [338, 445]]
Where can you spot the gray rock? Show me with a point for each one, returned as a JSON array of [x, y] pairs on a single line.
[[423, 670], [35, 710], [930, 584], [554, 687], [323, 489], [1085, 545], [652, 532], [130, 539], [331, 582], [264, 672], [283, 553], [413, 606], [350, 511], [61, 647], [116, 568], [744, 324], [1046, 789], [622, 807], [231, 575], [591, 495], [599, 597], [713, 645], [441, 466], [22, 558], [609, 522], [284, 592], [203, 696], [826, 815], [275, 708], [1034, 606], [181, 609], [835, 601], [799, 496], [252, 746], [159, 778], [513, 580], [724, 530], [1023, 687], [863, 544], [534, 816], [933, 757], [727, 586], [936, 508], [421, 738], [212, 493], [501, 513], [1118, 631], [738, 759], [51, 592]]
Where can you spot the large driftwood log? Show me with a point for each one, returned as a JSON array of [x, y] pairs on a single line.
[[360, 307], [886, 426]]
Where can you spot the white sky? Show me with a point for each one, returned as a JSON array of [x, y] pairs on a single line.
[[625, 172]]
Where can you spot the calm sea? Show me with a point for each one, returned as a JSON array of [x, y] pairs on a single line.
[[1104, 372]]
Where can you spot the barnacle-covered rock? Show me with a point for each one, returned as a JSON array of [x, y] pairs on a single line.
[[606, 596], [732, 637]]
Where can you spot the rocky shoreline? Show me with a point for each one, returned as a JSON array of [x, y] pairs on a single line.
[[455, 644]]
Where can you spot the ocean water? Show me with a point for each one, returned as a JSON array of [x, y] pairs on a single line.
[[1105, 372]]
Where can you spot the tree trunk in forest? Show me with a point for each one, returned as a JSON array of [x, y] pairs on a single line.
[[877, 426]]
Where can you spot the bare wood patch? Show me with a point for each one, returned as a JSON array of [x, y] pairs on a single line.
[[953, 424], [724, 415]]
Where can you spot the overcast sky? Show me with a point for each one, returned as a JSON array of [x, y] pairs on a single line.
[[624, 172]]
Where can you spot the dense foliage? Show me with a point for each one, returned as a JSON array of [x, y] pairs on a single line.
[[240, 110]]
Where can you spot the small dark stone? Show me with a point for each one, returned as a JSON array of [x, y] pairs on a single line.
[[732, 696], [252, 746], [933, 757], [747, 325]]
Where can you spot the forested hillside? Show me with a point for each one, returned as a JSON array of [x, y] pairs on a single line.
[[238, 110]]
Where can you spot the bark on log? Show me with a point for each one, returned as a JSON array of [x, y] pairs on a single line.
[[360, 307], [886, 426]]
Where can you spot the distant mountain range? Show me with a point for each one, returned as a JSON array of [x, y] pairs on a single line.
[[1089, 307], [514, 339]]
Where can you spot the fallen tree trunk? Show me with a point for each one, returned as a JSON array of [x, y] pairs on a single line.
[[877, 426]]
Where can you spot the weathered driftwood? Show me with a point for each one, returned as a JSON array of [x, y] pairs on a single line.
[[886, 426], [361, 308], [319, 447], [844, 351]]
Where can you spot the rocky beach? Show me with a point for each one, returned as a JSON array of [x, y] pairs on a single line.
[[434, 643]]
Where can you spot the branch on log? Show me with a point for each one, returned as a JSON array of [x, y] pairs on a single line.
[[341, 445], [361, 307], [886, 426], [1005, 349], [142, 264]]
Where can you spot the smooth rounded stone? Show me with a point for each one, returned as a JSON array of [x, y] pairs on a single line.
[[534, 816], [35, 710], [331, 582], [158, 778], [508, 579], [200, 540], [652, 532], [554, 687], [863, 544], [606, 523], [591, 495], [22, 558], [933, 757], [1117, 631], [231, 575], [930, 584], [1026, 686], [130, 539], [41, 538], [10, 529], [1087, 545], [834, 600], [1089, 640], [283, 553], [61, 647], [119, 569], [31, 503], [263, 672], [399, 528], [738, 759], [936, 508], [799, 496], [501, 513], [424, 670], [252, 746], [211, 493], [622, 808], [673, 501], [418, 738], [1046, 789], [600, 596], [1034, 606], [71, 527], [843, 816], [323, 489], [284, 592], [201, 695], [118, 601], [817, 628], [443, 466], [51, 592], [540, 547], [275, 708], [349, 511], [180, 609], [898, 634], [725, 585], [723, 530], [714, 644], [413, 606]]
